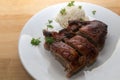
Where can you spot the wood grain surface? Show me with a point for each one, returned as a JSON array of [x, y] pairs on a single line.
[[13, 16]]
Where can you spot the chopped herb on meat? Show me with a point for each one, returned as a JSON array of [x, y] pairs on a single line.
[[49, 40]]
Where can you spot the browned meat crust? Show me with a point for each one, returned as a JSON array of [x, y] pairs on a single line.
[[84, 47], [96, 32], [68, 57], [77, 45]]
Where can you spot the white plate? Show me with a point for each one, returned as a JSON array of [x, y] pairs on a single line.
[[40, 64]]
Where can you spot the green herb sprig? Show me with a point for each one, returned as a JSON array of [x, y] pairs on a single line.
[[63, 11], [50, 21], [35, 42], [80, 7], [94, 12], [49, 40], [49, 24], [71, 3], [81, 19]]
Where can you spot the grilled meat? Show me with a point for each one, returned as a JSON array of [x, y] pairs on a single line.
[[95, 32], [77, 45]]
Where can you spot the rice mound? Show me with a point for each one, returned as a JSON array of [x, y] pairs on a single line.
[[72, 13]]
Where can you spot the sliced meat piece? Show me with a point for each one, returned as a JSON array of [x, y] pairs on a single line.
[[75, 67], [67, 52], [84, 47], [68, 57], [95, 32]]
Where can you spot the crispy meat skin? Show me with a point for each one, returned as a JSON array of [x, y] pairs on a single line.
[[96, 31], [68, 57], [67, 52], [77, 45], [83, 46]]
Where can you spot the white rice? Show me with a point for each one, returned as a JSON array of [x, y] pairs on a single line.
[[72, 13]]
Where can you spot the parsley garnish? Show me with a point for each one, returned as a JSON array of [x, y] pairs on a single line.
[[93, 12], [81, 19], [35, 42], [71, 3], [50, 21], [49, 24], [63, 11], [80, 7], [49, 40]]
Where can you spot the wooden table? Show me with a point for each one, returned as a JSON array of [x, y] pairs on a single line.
[[13, 15]]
